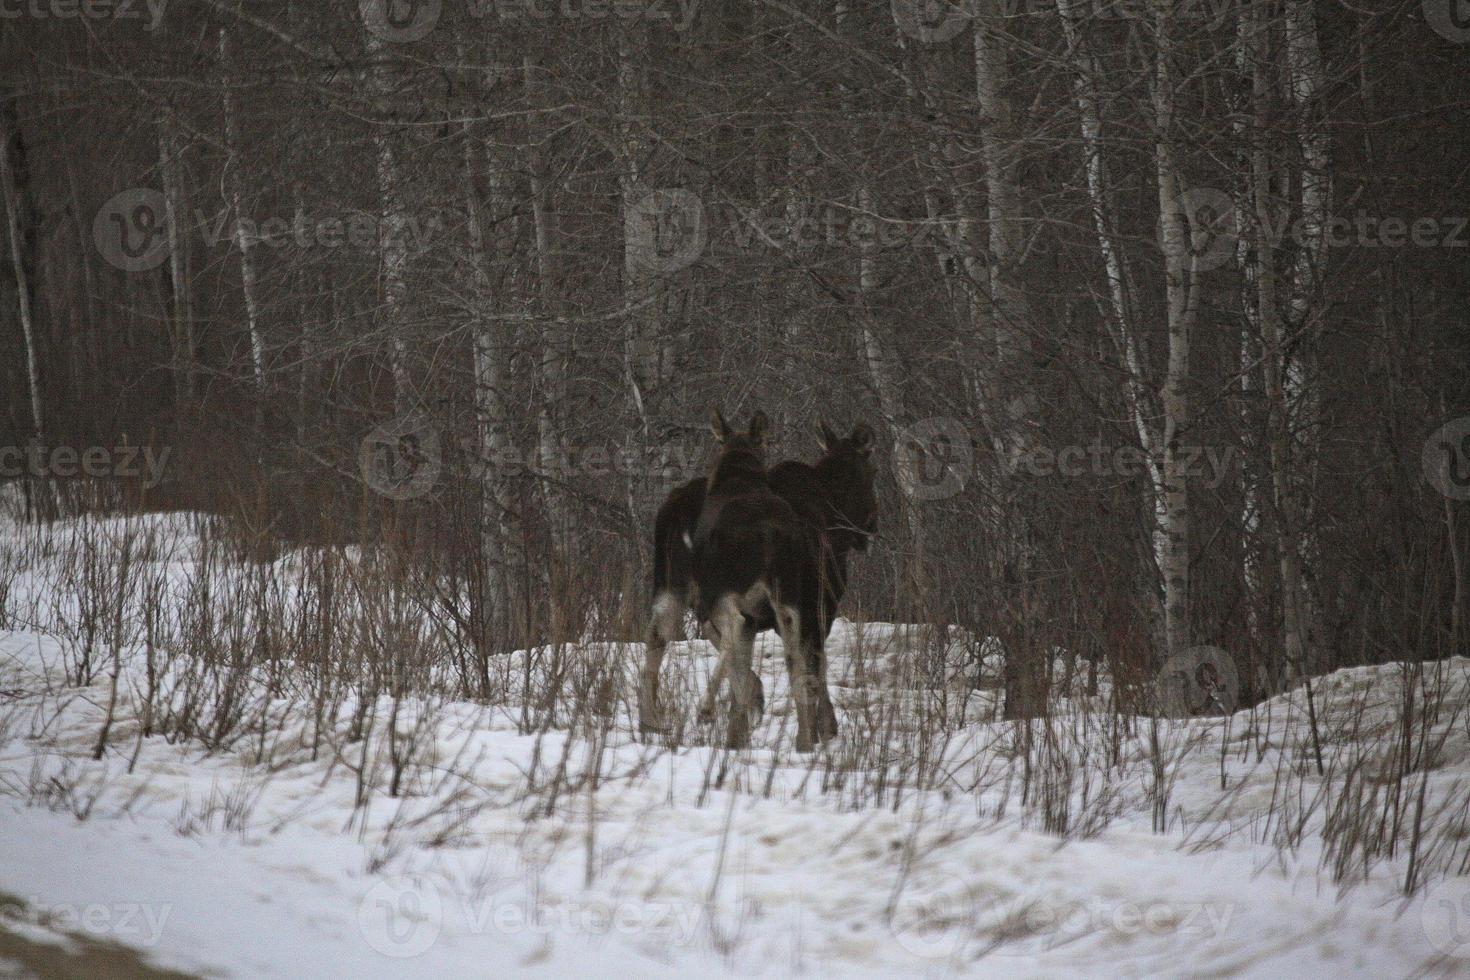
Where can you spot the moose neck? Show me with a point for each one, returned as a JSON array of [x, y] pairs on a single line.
[[736, 465], [842, 501]]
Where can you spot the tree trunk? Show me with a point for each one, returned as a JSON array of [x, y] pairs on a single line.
[[1013, 425], [1269, 316], [176, 214], [10, 187], [1141, 404], [555, 334], [492, 415], [392, 235], [1304, 59], [234, 187], [1182, 293]]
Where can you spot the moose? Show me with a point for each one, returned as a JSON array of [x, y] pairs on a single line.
[[753, 549]]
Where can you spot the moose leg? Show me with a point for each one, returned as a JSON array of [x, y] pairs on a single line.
[[789, 625], [814, 646], [825, 720], [747, 698], [668, 616], [826, 714], [716, 678], [737, 643]]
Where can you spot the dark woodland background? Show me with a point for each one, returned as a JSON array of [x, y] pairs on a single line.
[[1013, 234]]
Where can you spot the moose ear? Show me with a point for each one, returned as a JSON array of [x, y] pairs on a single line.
[[717, 425], [826, 438], [759, 426], [862, 438]]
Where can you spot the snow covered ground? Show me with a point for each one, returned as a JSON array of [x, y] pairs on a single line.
[[574, 847]]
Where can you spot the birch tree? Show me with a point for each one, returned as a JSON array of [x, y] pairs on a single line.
[[234, 189], [1181, 284]]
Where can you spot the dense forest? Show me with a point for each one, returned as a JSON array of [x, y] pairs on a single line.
[[1158, 308]]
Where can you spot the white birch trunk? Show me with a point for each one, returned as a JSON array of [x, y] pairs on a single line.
[[234, 188], [1181, 291]]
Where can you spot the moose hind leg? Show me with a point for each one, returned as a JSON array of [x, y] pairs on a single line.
[[826, 714], [814, 646], [736, 645], [788, 624], [667, 619]]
